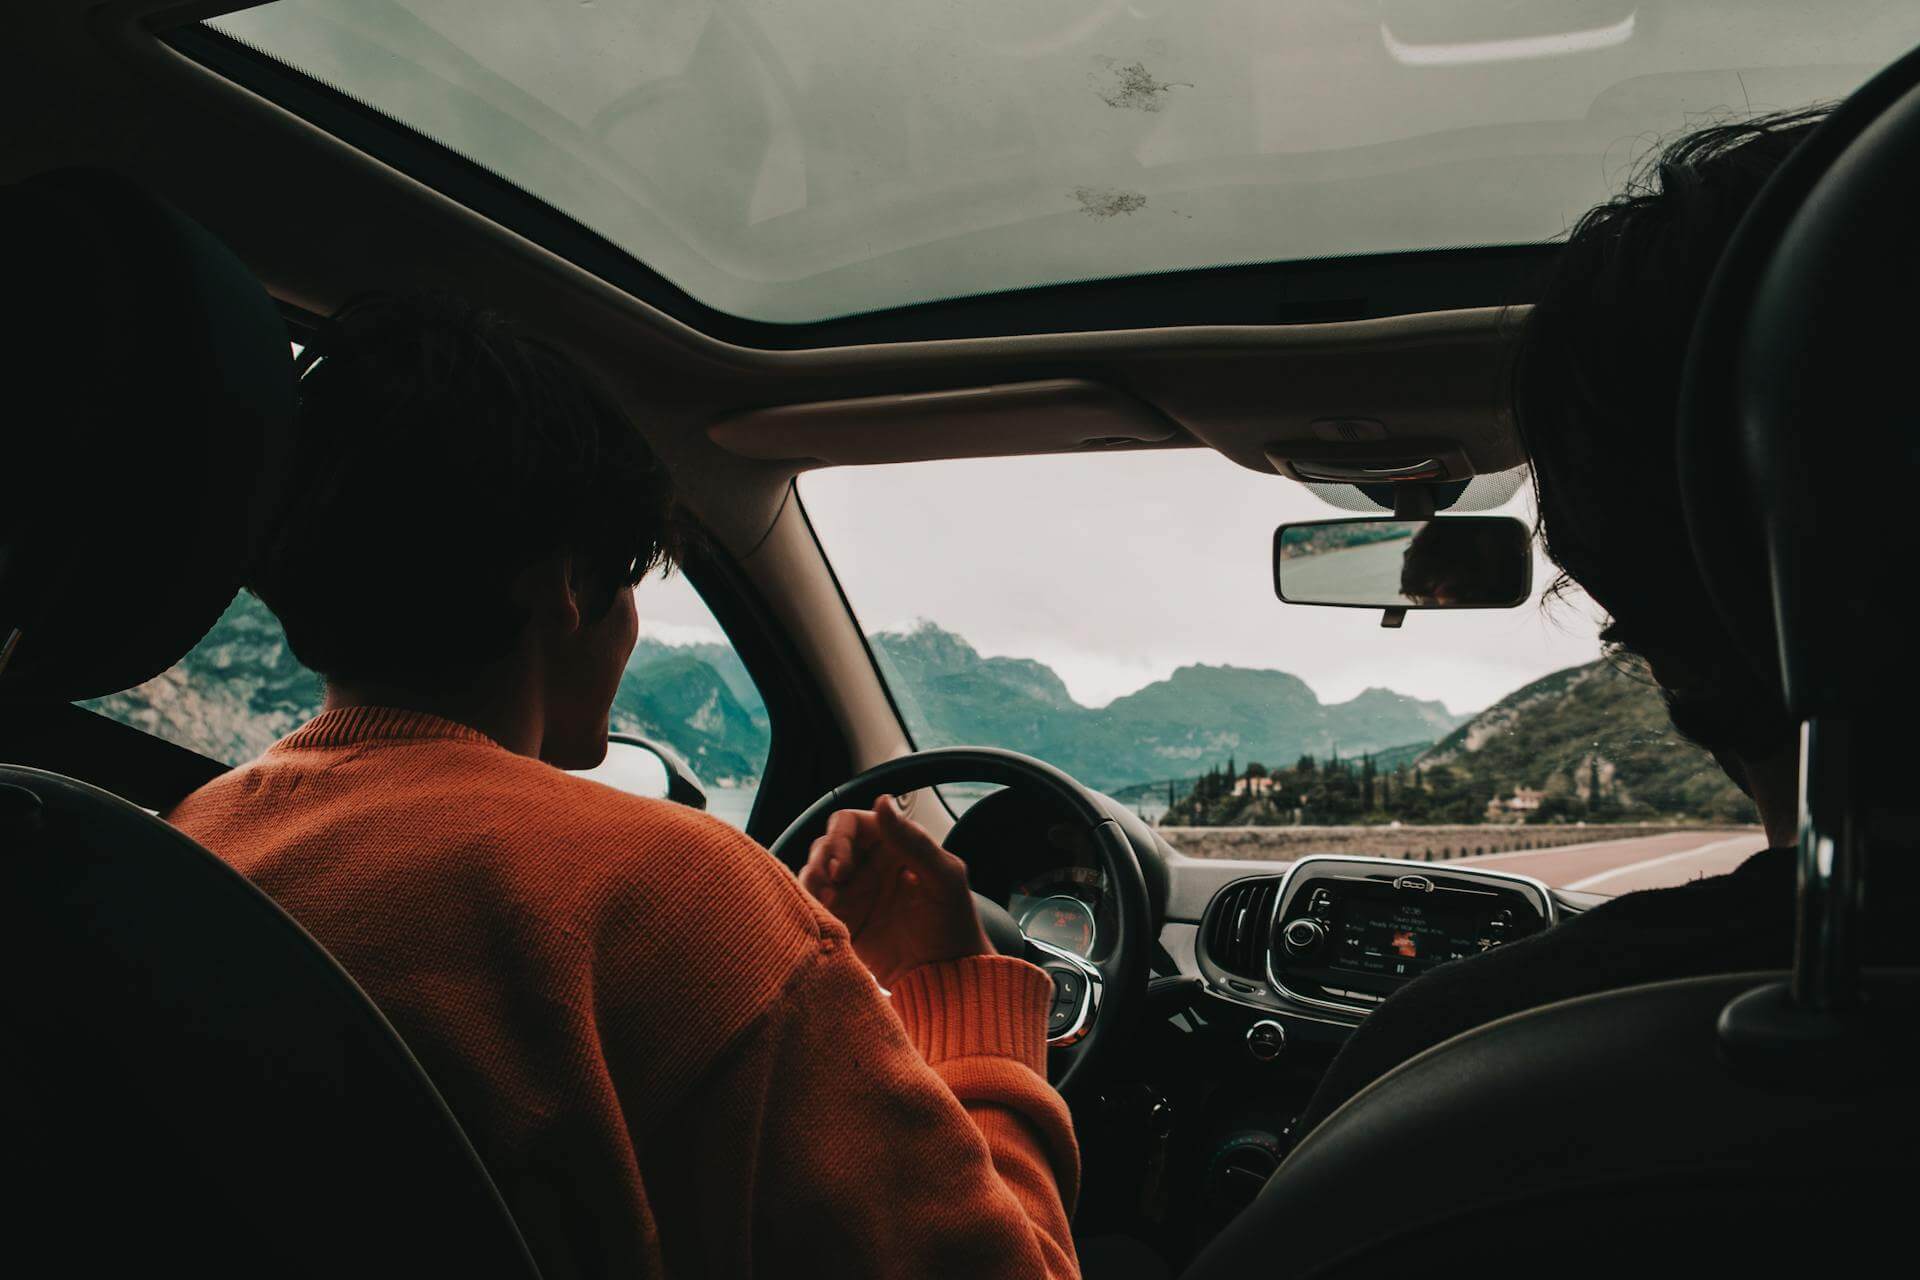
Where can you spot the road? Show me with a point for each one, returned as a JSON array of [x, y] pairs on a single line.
[[1368, 574], [1615, 867]]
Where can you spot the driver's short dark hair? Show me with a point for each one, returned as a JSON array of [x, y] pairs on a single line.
[[1597, 392], [440, 450]]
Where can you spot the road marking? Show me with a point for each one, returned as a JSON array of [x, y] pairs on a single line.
[[1647, 863], [1576, 848]]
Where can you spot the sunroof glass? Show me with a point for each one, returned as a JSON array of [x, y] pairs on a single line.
[[800, 160]]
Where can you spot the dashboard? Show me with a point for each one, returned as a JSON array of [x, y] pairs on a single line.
[[1260, 974]]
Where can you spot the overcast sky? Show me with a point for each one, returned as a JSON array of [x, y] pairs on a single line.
[[1116, 570]]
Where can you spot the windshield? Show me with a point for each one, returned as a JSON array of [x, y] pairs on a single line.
[[1115, 615], [798, 162]]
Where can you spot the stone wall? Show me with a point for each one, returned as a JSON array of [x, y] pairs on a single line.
[[1418, 844]]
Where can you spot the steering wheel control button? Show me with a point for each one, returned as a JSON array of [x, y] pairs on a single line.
[[1069, 1010], [1303, 936], [1266, 1040], [1068, 987]]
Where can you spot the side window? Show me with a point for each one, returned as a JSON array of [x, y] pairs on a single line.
[[686, 687], [241, 689], [236, 693]]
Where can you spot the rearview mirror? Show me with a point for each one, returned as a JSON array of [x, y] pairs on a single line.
[[652, 769], [1449, 562]]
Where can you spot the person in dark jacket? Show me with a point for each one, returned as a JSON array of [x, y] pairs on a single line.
[[1597, 392]]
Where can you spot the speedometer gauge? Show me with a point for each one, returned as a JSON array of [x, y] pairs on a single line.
[[1063, 921]]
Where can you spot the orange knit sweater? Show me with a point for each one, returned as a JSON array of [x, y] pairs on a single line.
[[668, 1055]]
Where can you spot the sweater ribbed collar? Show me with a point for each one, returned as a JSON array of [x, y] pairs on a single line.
[[352, 726]]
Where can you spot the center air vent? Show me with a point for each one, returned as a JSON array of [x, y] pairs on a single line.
[[1235, 932]]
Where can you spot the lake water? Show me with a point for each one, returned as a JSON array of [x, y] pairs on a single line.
[[731, 804]]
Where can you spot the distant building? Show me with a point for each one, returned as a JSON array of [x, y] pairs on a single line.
[[1523, 801], [1260, 786]]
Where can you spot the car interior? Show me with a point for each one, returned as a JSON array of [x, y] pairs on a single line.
[[187, 190]]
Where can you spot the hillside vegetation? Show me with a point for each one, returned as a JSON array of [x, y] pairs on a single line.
[[1594, 740], [1172, 728], [1594, 735], [1590, 743]]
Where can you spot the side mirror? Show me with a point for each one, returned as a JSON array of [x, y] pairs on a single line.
[[1448, 562], [652, 769]]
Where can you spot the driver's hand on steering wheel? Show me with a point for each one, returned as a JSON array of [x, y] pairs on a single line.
[[903, 898]]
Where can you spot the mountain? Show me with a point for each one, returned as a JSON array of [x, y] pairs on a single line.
[[683, 696], [1599, 721], [240, 689], [232, 697], [725, 663], [1198, 716]]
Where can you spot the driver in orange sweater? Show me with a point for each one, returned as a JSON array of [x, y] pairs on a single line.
[[674, 1059]]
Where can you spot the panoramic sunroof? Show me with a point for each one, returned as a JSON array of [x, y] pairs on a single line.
[[792, 161]]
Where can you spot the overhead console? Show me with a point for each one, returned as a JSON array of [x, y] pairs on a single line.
[[1345, 933]]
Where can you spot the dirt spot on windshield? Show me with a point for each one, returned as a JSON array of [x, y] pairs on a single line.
[[1131, 87], [1108, 202]]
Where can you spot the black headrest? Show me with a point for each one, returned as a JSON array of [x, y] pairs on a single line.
[[149, 398], [1800, 425]]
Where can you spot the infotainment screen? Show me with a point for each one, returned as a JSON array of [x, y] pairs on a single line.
[[1401, 935], [1352, 931]]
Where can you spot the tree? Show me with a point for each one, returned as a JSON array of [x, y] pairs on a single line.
[[1255, 769], [1555, 808]]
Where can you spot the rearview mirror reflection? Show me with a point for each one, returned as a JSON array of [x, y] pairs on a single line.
[[1449, 562]]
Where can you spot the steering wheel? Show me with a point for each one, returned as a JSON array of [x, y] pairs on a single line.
[[1092, 1002]]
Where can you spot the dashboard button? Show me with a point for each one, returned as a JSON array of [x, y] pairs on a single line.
[[1303, 936], [1266, 1040]]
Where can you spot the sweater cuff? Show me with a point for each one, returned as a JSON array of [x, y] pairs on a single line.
[[992, 1006]]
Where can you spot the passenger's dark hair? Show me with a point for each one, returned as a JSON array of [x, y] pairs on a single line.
[[441, 450], [1597, 390]]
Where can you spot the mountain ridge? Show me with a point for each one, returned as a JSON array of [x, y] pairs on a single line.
[[1595, 739], [1200, 713], [241, 689]]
